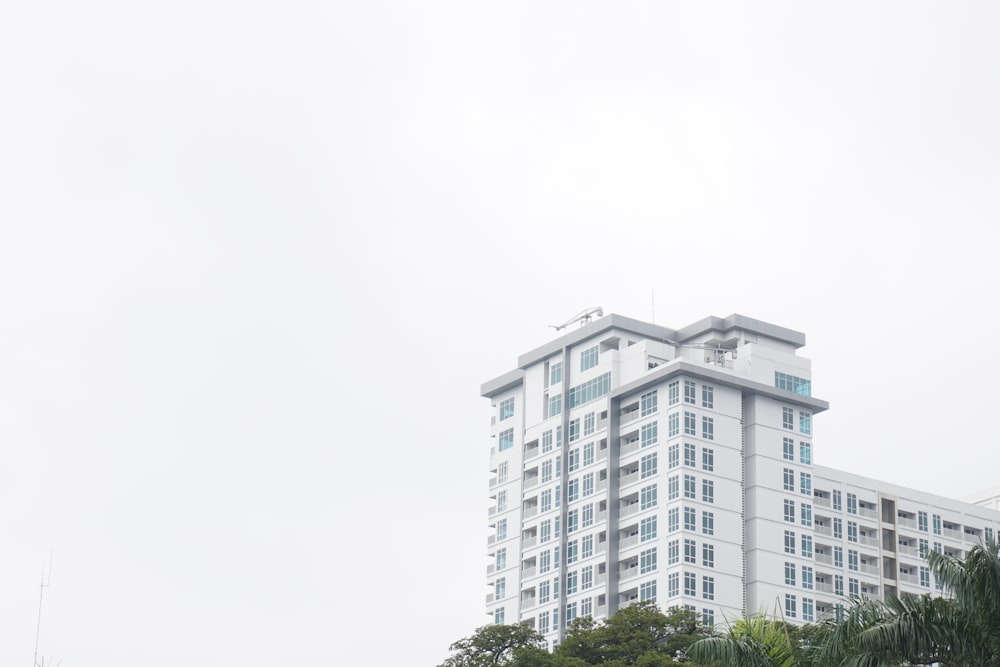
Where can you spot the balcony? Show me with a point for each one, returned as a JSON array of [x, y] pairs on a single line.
[[527, 603], [493, 510], [491, 568], [868, 569], [629, 447], [493, 482], [823, 587], [866, 539], [628, 418], [867, 512], [528, 572], [907, 550], [628, 573], [530, 511], [821, 501], [824, 530], [491, 540], [826, 559], [909, 579], [489, 598], [952, 533], [907, 522], [627, 542], [629, 478], [528, 542], [629, 510], [530, 482]]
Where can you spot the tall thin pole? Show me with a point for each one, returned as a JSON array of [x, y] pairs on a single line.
[[41, 591]]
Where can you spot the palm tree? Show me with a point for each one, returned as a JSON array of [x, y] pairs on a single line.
[[962, 630], [755, 641]]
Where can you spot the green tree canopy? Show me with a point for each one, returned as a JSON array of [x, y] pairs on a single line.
[[493, 645]]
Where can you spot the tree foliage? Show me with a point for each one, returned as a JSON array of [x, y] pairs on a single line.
[[755, 641], [493, 645]]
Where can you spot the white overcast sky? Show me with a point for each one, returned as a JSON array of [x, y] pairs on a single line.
[[257, 258]]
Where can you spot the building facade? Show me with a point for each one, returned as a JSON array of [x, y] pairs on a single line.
[[636, 462]]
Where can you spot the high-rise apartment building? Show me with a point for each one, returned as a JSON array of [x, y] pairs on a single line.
[[633, 462]]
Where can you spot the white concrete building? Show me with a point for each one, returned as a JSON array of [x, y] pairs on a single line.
[[632, 461]]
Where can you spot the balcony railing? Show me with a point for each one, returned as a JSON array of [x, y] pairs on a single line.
[[530, 511], [629, 479], [907, 523], [531, 482], [952, 533], [821, 501], [870, 541], [868, 512], [868, 569], [627, 542], [628, 573], [628, 417], [826, 559], [824, 530]]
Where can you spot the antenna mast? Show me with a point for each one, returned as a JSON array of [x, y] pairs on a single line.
[[583, 318], [41, 590]]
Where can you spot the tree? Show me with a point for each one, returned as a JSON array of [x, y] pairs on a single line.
[[755, 641], [493, 645], [638, 634], [962, 631]]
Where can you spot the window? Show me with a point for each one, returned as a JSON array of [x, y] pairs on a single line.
[[590, 390], [708, 523], [572, 521], [937, 524], [501, 530], [807, 514], [502, 501], [805, 453], [587, 516], [808, 610], [502, 472], [574, 429], [673, 520], [838, 529], [546, 500], [500, 588], [805, 423], [673, 552], [922, 521], [647, 591], [543, 622], [925, 577], [788, 418], [674, 394], [788, 449], [708, 459], [838, 556], [555, 612], [506, 439], [805, 483], [555, 372], [708, 588], [588, 484], [838, 500], [708, 617], [673, 424], [708, 554], [499, 615], [547, 441], [707, 396], [647, 560], [587, 546], [543, 592], [789, 574], [555, 405], [673, 585], [690, 424], [546, 471], [506, 408], [689, 392], [924, 547], [648, 434], [558, 490], [558, 436], [572, 490], [572, 582], [807, 577], [545, 531], [806, 542], [707, 491], [852, 531], [793, 384], [838, 584], [789, 605], [789, 542], [587, 577], [673, 490], [690, 551], [544, 562], [852, 560], [852, 587], [570, 609], [647, 403], [674, 454], [572, 552], [789, 479], [689, 518], [937, 547], [852, 503], [647, 497], [689, 455], [501, 559], [647, 529], [708, 428], [588, 358], [690, 484], [647, 466], [690, 584], [588, 423], [574, 460], [790, 511]]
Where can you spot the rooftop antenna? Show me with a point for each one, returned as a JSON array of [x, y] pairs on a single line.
[[41, 590], [583, 318]]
